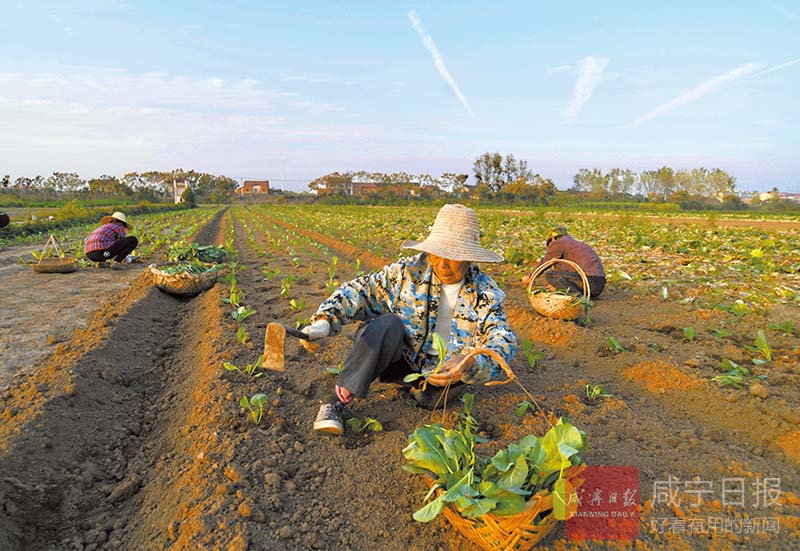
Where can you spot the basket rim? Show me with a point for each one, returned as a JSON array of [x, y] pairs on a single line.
[[156, 268], [57, 260], [534, 500], [541, 269]]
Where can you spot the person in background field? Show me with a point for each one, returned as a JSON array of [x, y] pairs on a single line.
[[562, 277], [109, 241], [440, 290]]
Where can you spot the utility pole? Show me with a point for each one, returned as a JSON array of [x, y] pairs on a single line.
[[281, 174]]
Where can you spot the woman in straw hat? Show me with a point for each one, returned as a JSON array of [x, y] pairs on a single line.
[[109, 241], [440, 290]]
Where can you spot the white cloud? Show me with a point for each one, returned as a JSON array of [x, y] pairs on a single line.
[[591, 70], [94, 121], [113, 88], [699, 91], [438, 60]]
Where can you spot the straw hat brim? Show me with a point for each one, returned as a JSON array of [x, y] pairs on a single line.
[[110, 219], [459, 251]]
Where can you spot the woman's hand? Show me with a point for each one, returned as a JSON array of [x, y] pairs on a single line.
[[450, 372]]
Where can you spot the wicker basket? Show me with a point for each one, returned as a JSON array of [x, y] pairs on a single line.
[[56, 265], [518, 532], [181, 284], [558, 305], [59, 264]]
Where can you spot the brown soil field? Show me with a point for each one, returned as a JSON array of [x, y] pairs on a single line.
[[119, 428]]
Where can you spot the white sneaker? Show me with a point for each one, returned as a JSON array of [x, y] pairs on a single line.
[[329, 419]]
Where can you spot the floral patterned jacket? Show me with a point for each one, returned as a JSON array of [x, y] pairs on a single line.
[[409, 289]]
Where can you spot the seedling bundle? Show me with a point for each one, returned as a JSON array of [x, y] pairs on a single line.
[[506, 501]]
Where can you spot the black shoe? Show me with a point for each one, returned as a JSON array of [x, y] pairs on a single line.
[[437, 397], [329, 419]]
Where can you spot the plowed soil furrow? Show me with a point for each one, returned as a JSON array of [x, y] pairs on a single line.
[[98, 456]]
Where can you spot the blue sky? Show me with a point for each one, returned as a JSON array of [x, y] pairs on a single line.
[[237, 87]]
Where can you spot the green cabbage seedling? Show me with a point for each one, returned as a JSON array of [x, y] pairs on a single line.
[[250, 369], [441, 349], [255, 405]]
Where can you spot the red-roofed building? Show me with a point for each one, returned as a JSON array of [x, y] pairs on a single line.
[[253, 187]]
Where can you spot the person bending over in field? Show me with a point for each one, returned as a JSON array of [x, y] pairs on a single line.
[[109, 241], [439, 290], [563, 277]]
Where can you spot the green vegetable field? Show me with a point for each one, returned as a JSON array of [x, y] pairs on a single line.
[[133, 419]]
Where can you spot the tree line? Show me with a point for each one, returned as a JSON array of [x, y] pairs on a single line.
[[507, 179], [155, 186], [498, 179], [663, 184]]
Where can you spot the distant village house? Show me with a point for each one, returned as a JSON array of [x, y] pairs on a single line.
[[253, 187], [178, 187]]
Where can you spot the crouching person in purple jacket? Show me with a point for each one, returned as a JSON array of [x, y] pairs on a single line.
[[562, 277]]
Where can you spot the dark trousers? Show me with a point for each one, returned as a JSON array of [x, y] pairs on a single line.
[[118, 251], [570, 281], [377, 354]]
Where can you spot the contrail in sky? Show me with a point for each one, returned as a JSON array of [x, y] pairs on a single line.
[[776, 68], [700, 91], [438, 60], [591, 70]]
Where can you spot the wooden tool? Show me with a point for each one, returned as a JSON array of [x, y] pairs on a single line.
[[274, 343]]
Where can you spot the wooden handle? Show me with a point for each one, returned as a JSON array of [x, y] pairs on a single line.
[[295, 333], [538, 271]]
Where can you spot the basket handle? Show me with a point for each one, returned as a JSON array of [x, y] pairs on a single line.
[[538, 271], [51, 244], [496, 357], [510, 376]]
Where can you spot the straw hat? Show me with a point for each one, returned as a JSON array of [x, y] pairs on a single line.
[[555, 231], [455, 236], [116, 217]]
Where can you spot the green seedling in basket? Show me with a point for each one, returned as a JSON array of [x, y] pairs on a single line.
[[478, 484]]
